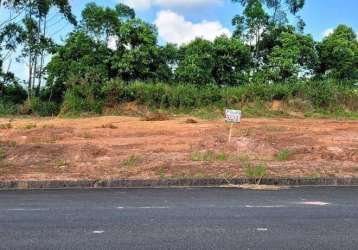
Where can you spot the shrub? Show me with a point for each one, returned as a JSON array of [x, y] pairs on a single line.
[[283, 154], [44, 108], [256, 172], [208, 156], [8, 108], [81, 99]]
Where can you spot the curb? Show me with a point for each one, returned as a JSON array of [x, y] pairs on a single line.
[[125, 183]]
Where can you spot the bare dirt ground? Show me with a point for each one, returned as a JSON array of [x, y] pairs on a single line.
[[127, 147]]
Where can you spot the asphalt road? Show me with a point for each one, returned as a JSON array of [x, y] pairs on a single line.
[[301, 218]]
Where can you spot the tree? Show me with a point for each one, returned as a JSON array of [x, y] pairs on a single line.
[[251, 25], [261, 21], [232, 61], [196, 62], [35, 42], [137, 56], [10, 37], [279, 9], [99, 21], [338, 54], [81, 60], [294, 57]]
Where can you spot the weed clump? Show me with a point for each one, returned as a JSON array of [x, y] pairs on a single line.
[[132, 161], [283, 155], [208, 156], [6, 126], [256, 172], [156, 116]]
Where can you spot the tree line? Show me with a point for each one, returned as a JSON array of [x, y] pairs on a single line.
[[113, 43]]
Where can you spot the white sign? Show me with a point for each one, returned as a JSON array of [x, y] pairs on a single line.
[[233, 116]]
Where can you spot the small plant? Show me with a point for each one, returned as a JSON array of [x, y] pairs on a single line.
[[209, 155], [283, 154], [62, 164], [221, 156], [161, 172], [256, 172], [30, 126], [132, 161], [203, 156]]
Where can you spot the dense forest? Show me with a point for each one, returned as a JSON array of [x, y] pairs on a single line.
[[112, 57]]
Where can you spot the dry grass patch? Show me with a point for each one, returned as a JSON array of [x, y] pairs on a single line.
[[6, 126], [156, 116], [30, 126], [87, 135], [109, 126], [48, 126]]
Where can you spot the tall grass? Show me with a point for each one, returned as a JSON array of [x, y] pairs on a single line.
[[313, 98], [324, 95]]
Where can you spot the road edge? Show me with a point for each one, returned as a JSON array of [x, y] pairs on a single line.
[[127, 183]]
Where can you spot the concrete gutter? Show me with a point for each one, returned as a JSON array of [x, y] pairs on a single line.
[[85, 184]]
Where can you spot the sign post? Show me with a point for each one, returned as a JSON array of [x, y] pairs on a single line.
[[232, 116]]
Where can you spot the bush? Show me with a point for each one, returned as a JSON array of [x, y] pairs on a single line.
[[81, 99], [256, 172], [8, 108], [44, 108]]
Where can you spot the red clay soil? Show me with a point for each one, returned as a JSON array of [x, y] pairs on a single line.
[[127, 147]]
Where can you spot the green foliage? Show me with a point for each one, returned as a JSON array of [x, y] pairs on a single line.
[[132, 161], [232, 60], [81, 99], [338, 54], [44, 108], [81, 61], [7, 109], [196, 63], [208, 155], [256, 172], [283, 154], [295, 55]]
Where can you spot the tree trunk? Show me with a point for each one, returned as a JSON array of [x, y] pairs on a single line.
[[42, 58]]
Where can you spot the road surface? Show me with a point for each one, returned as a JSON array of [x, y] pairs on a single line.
[[299, 218]]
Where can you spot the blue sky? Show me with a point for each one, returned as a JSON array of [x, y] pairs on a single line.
[[319, 15], [179, 21]]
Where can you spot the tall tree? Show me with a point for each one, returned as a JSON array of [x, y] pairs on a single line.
[[338, 54], [35, 42], [295, 56]]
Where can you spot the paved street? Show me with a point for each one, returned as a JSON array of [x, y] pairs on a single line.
[[300, 218]]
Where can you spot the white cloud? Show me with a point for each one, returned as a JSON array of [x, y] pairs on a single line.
[[328, 32], [173, 28], [146, 4]]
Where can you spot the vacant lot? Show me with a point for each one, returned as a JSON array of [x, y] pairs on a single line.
[[127, 147]]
